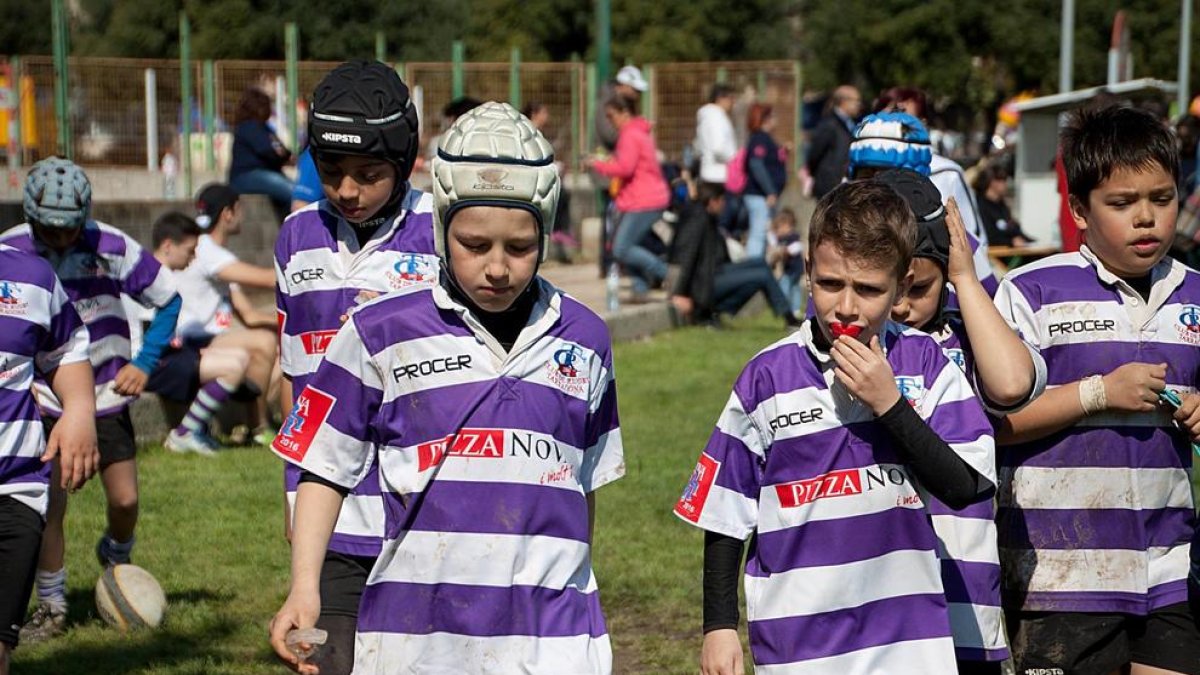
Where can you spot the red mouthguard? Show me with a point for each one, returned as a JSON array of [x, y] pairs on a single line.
[[840, 329]]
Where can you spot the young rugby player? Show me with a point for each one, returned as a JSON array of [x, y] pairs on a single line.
[[1095, 507], [489, 404], [1006, 376], [202, 378], [373, 233], [816, 456], [43, 337], [96, 264]]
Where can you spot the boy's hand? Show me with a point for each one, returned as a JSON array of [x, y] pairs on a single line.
[[721, 653], [866, 373], [1188, 415], [961, 268], [300, 610], [1134, 386], [130, 380], [73, 441]]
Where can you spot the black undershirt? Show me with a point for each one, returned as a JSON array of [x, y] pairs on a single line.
[[942, 472], [1142, 285]]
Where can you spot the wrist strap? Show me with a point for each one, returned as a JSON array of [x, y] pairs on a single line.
[[1092, 396]]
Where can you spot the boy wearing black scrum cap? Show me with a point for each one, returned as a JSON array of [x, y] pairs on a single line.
[[1005, 375], [371, 234]]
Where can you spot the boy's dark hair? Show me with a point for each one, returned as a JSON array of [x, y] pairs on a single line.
[[253, 106], [708, 192], [1099, 139], [460, 106], [719, 90], [174, 226], [867, 221]]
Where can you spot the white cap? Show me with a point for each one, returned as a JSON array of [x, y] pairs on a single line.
[[631, 76]]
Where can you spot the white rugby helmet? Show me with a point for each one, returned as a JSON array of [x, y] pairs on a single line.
[[494, 156]]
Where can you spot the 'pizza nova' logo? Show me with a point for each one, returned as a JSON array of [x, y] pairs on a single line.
[[316, 342], [311, 409], [412, 269], [841, 483], [335, 137], [488, 444], [695, 494]]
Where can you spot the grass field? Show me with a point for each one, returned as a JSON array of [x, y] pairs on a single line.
[[210, 531]]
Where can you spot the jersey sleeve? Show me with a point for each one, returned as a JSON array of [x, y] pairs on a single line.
[[287, 356], [66, 338], [145, 279], [1018, 312], [604, 456], [722, 493], [329, 431], [951, 410]]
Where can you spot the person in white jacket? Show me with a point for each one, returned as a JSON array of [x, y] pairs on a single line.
[[716, 142]]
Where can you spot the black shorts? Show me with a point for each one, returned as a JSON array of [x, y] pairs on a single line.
[[114, 435], [1084, 643], [20, 543], [177, 375], [343, 578]]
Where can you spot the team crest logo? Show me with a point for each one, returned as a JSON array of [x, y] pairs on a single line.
[[412, 269], [1189, 324], [567, 369], [10, 299], [911, 388], [955, 354], [300, 427]]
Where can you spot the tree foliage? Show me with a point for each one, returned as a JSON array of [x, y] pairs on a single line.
[[973, 53]]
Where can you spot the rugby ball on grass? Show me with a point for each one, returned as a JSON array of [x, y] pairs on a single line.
[[128, 597]]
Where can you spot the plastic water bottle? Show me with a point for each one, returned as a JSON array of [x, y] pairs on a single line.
[[170, 170], [612, 286]]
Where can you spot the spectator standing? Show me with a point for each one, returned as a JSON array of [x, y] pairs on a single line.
[[991, 194], [829, 149], [642, 195], [766, 175], [629, 83], [259, 156], [716, 142]]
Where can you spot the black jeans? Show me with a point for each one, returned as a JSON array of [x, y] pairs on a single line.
[[736, 283]]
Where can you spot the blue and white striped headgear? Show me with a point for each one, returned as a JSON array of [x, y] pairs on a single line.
[[891, 140]]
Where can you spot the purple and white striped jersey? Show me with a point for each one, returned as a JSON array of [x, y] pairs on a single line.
[[843, 576], [486, 460], [104, 263], [321, 275], [39, 331], [1098, 517]]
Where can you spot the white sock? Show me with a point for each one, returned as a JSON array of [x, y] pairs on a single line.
[[52, 589]]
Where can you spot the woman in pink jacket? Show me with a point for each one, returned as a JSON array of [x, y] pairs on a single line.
[[642, 196]]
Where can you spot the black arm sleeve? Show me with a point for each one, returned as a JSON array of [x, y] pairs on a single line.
[[306, 477], [722, 559], [939, 469]]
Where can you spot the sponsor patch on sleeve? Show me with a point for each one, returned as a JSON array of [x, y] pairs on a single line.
[[696, 493], [300, 428]]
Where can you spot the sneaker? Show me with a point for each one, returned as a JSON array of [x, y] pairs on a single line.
[[45, 623], [191, 441], [265, 436]]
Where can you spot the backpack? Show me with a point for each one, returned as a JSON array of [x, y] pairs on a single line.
[[735, 173]]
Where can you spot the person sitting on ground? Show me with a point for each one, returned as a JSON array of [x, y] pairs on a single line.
[[258, 156], [204, 378], [213, 297], [708, 284]]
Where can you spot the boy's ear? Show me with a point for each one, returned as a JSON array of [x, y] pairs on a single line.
[[1079, 212], [905, 284]]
